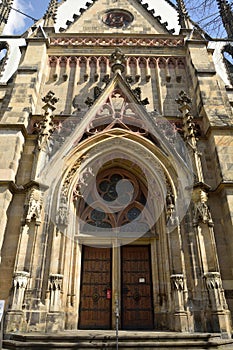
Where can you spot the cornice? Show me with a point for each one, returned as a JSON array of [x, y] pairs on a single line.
[[19, 127], [116, 40]]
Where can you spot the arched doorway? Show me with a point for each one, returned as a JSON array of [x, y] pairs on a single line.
[[116, 273]]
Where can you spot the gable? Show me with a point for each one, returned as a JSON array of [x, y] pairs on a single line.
[[99, 17]]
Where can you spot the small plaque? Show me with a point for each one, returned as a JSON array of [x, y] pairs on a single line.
[[142, 280]]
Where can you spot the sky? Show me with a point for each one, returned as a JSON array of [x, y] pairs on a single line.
[[18, 23]]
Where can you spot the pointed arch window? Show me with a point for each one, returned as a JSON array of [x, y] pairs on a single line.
[[119, 199]]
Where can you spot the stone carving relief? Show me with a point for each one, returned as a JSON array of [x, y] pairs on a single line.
[[82, 183], [69, 177], [34, 206], [171, 217], [62, 213], [201, 212], [47, 127], [111, 41]]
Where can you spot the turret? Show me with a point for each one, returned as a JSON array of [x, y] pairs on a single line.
[[183, 15], [51, 14], [5, 9], [226, 14]]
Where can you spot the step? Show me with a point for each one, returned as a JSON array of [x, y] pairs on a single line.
[[107, 340]]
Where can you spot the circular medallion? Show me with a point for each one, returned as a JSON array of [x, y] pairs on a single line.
[[117, 18]]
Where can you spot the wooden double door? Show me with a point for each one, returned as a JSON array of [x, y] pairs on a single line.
[[134, 288]]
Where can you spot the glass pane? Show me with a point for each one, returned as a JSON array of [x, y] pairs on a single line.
[[104, 185], [133, 213], [115, 178], [97, 215]]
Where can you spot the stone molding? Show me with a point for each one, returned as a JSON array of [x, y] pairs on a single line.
[[110, 41]]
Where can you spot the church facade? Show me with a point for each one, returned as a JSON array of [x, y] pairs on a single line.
[[116, 173]]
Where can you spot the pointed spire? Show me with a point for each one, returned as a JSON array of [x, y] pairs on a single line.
[[183, 15], [226, 14], [5, 9], [51, 14]]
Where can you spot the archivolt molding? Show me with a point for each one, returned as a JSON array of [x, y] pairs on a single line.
[[82, 170]]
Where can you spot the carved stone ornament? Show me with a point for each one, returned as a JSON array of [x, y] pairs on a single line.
[[20, 282], [55, 281], [183, 99], [201, 212], [118, 61], [20, 279], [62, 214], [50, 100], [34, 205], [213, 280], [47, 126], [69, 177], [215, 291], [177, 281], [171, 216], [83, 182], [111, 41], [116, 18]]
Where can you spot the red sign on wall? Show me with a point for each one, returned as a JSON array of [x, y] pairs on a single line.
[[109, 293]]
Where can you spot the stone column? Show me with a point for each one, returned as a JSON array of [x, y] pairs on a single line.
[[55, 291], [14, 317], [20, 283], [180, 322], [219, 313], [5, 199], [217, 319]]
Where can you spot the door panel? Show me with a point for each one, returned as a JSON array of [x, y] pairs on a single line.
[[137, 305], [95, 308]]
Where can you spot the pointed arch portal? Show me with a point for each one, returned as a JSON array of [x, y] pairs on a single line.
[[115, 245], [119, 275]]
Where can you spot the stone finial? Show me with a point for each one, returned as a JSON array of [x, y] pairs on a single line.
[[190, 131], [47, 126], [184, 100], [118, 61], [51, 14], [50, 100], [189, 128], [226, 14], [182, 14]]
